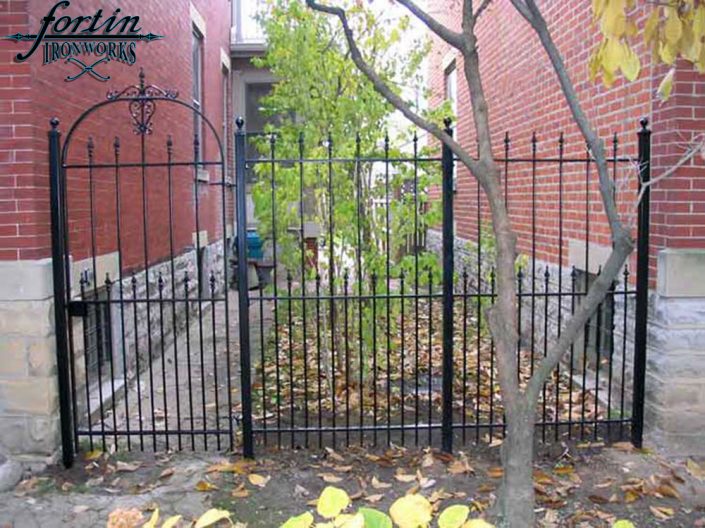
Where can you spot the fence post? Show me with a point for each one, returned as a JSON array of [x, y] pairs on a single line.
[[243, 289], [642, 287], [60, 297], [448, 272]]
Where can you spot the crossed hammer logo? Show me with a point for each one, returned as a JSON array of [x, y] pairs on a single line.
[[85, 68]]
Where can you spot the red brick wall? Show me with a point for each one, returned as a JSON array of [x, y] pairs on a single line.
[[524, 97], [32, 93]]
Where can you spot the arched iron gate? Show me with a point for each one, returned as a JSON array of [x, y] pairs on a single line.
[[141, 234]]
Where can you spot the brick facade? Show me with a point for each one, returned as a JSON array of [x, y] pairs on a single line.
[[30, 94], [524, 97]]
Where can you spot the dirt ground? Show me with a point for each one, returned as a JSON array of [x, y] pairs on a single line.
[[580, 485]]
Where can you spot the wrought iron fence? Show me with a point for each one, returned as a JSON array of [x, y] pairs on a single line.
[[364, 319], [368, 342]]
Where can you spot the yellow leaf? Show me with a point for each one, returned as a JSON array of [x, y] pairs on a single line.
[[623, 523], [664, 89], [614, 21], [598, 7], [152, 522], [411, 511], [478, 523], [305, 520], [651, 26], [211, 517], [612, 55], [673, 28], [203, 485], [667, 53], [331, 502], [93, 455], [453, 516], [695, 469], [258, 480], [171, 521], [699, 22], [630, 64]]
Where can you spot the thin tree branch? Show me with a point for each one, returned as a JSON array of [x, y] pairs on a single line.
[[485, 4], [451, 37], [697, 145]]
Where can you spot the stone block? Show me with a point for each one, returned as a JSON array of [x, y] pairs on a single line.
[[680, 273], [26, 318], [30, 396]]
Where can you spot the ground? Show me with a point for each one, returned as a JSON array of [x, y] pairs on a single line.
[[580, 485]]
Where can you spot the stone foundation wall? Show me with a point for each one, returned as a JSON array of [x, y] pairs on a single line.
[[675, 373], [148, 327], [29, 421]]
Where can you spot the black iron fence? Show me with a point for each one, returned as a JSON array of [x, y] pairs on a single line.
[[362, 271], [366, 335]]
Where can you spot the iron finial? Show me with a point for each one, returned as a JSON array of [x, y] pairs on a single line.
[[447, 122], [240, 122], [54, 122], [644, 121]]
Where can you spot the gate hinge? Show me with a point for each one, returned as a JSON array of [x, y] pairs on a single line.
[[78, 309]]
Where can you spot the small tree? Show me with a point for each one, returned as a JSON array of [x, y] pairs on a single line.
[[320, 106], [676, 28]]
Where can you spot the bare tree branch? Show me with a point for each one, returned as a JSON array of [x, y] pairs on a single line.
[[485, 4], [451, 37], [697, 145]]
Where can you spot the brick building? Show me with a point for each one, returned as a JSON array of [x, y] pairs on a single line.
[[524, 97], [193, 58]]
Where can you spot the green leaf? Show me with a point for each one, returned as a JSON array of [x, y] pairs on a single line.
[[331, 502], [453, 516], [305, 520], [375, 518]]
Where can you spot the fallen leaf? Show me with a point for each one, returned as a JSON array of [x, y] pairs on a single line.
[[125, 466], [495, 472], [258, 480], [203, 485], [330, 478], [661, 512], [373, 499], [376, 484], [211, 517], [240, 492]]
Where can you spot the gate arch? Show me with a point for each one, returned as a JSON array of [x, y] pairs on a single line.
[[140, 238]]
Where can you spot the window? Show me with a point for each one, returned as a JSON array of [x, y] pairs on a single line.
[[98, 334], [451, 94], [197, 58]]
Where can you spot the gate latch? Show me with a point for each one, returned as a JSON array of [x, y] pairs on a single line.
[[78, 309]]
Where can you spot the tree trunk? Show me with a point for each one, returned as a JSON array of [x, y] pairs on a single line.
[[517, 491]]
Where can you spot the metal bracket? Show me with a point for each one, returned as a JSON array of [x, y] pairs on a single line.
[[78, 309]]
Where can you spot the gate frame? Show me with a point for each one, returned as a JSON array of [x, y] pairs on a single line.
[[142, 95]]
